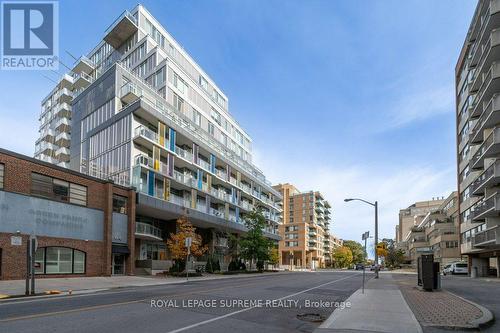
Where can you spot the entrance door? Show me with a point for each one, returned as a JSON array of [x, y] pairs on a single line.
[[118, 264]]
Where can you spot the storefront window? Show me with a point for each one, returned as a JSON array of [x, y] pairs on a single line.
[[59, 260]]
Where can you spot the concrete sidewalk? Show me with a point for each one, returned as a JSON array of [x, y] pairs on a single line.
[[381, 308], [91, 284]]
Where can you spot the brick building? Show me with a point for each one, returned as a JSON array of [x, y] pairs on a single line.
[[84, 226]]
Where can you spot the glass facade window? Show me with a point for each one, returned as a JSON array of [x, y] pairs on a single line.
[[59, 260]]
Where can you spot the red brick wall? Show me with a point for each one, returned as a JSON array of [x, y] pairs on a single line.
[[17, 178], [14, 257]]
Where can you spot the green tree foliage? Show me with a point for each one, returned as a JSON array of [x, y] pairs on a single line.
[[342, 257], [393, 257], [254, 246], [357, 250], [274, 256]]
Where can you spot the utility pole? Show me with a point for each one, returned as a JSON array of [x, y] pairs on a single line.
[[376, 240]]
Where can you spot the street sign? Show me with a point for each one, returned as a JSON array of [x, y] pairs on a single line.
[[16, 240]]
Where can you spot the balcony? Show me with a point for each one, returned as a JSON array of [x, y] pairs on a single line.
[[185, 202], [63, 139], [221, 174], [84, 65], [490, 177], [204, 164], [490, 20], [488, 207], [489, 118], [62, 154], [487, 238], [45, 147], [143, 160], [488, 51], [187, 155], [145, 136], [147, 231], [247, 206], [63, 110], [129, 93], [216, 212], [64, 95], [490, 84], [63, 125], [82, 81], [489, 148], [121, 30], [185, 179]]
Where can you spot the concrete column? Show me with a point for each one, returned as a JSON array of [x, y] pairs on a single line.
[[303, 260], [130, 263]]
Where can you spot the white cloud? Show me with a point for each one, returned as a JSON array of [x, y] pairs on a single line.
[[420, 106], [393, 187]]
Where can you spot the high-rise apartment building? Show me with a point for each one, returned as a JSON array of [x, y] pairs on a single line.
[[477, 79], [306, 241], [140, 111]]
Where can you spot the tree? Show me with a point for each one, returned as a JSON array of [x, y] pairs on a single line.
[[253, 245], [393, 257], [274, 256], [342, 256], [176, 242], [382, 249], [357, 250]]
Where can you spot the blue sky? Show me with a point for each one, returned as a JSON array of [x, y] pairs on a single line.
[[352, 98]]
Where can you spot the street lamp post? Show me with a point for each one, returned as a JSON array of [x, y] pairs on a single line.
[[375, 205]]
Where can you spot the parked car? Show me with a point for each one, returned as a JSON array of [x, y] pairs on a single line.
[[455, 268], [359, 267]]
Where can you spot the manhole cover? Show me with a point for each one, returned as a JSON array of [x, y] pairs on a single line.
[[312, 317]]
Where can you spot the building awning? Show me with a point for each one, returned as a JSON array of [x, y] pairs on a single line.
[[118, 248]]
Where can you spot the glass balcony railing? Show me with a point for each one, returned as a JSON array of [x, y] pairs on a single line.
[[147, 133], [184, 153], [147, 230], [204, 164]]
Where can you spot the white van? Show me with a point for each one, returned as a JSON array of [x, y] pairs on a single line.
[[456, 268]]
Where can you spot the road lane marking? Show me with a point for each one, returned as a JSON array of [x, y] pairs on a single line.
[[253, 307], [115, 291], [47, 314]]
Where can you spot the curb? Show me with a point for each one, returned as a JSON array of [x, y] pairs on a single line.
[[44, 295], [486, 319]]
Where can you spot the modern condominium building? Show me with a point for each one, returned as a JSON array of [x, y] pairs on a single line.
[[437, 233], [305, 238], [477, 79], [140, 111]]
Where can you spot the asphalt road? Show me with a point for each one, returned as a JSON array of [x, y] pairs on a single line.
[[268, 303]]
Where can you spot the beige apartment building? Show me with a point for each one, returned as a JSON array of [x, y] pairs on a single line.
[[477, 77], [413, 215], [305, 238], [437, 234]]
